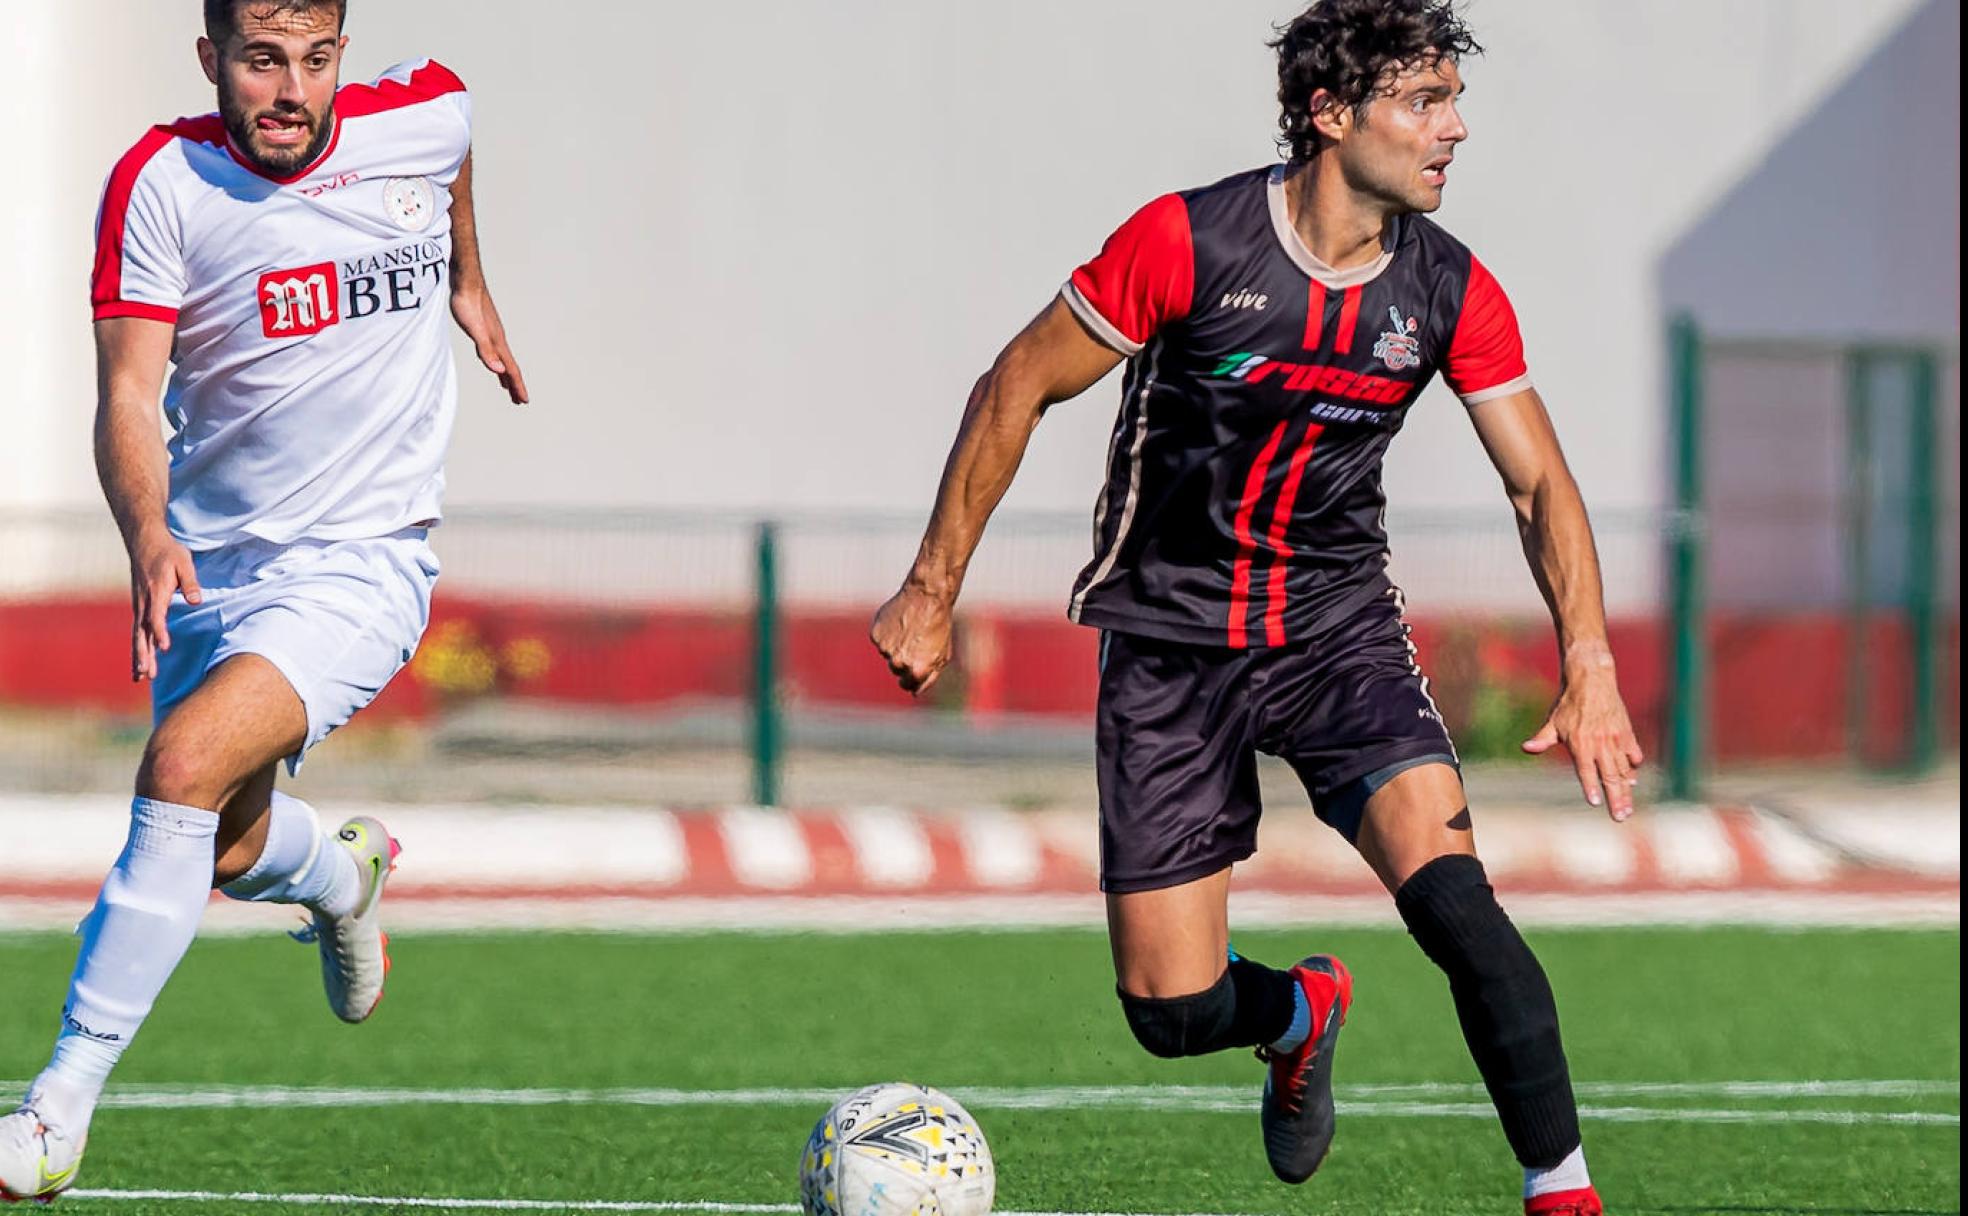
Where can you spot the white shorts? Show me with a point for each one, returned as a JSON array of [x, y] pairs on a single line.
[[338, 618]]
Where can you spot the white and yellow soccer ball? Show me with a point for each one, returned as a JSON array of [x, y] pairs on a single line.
[[897, 1150]]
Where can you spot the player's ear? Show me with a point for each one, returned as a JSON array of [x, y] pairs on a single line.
[[1330, 117], [208, 58]]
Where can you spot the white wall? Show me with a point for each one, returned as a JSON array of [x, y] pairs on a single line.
[[43, 386], [753, 255]]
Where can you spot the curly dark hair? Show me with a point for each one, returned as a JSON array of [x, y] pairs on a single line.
[[1347, 47], [222, 16]]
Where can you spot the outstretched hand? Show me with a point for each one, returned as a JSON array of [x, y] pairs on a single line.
[[475, 313], [1590, 721]]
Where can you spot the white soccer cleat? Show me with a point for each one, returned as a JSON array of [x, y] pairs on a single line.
[[354, 948], [36, 1161]]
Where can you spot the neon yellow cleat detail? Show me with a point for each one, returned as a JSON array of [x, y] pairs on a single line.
[[354, 948], [36, 1161]]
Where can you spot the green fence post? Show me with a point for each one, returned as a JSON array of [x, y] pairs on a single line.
[[1859, 490], [767, 737], [1687, 705], [1921, 522]]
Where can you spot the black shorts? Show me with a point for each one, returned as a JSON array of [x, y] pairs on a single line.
[[1180, 726]]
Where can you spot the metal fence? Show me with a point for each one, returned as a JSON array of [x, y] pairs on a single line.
[[1822, 484], [606, 655]]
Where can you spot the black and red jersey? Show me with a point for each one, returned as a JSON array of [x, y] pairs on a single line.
[[1243, 504]]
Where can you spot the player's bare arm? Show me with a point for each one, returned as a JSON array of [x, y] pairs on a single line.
[[1589, 718], [1051, 360], [471, 300], [131, 356]]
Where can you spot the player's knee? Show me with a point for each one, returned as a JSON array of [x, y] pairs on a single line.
[[1452, 913], [1172, 1027], [177, 773]]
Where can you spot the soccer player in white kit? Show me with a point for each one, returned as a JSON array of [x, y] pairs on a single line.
[[293, 255]]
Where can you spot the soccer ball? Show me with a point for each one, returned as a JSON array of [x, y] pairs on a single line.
[[896, 1150]]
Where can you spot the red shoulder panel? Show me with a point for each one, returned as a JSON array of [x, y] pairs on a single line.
[[106, 284], [428, 82], [1487, 350], [1145, 274]]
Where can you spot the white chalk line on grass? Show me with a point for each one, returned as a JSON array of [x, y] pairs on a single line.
[[711, 1208], [687, 914], [1382, 1101], [412, 1201], [1047, 1097]]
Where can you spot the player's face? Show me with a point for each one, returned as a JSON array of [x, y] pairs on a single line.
[[1399, 147], [276, 77]]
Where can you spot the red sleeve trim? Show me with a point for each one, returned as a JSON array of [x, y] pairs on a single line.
[[427, 83], [129, 308], [1486, 356], [1142, 279], [106, 285]]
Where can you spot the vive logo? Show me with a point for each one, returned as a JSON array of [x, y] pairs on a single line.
[[1245, 298]]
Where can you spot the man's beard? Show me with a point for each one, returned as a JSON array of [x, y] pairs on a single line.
[[1392, 190], [274, 162]]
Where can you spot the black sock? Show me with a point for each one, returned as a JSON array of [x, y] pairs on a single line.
[[1503, 1000], [1249, 1004]]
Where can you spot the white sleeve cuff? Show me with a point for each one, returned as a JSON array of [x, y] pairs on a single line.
[[1100, 327], [1507, 389]]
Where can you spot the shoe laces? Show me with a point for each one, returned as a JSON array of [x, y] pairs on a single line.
[[337, 943], [23, 1118]]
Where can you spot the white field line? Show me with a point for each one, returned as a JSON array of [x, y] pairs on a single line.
[[1387, 1101], [484, 1205], [849, 915], [304, 1200], [1653, 1114]]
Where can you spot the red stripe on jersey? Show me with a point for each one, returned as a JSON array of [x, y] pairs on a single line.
[[427, 83], [1349, 312], [1315, 315], [1274, 612], [1240, 579], [204, 129], [106, 285]]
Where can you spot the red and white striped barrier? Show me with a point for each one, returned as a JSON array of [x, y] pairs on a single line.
[[488, 867]]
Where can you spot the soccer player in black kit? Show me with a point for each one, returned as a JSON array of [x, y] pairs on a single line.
[[1277, 327]]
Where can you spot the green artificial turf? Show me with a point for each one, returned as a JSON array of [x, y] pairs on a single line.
[[1002, 1020]]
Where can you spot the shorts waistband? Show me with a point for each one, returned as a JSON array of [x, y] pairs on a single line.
[[242, 562]]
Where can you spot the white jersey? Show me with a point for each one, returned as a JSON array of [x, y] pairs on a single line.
[[314, 389]]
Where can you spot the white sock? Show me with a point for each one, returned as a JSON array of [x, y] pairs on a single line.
[[142, 925], [1567, 1175], [301, 864], [1301, 1023]]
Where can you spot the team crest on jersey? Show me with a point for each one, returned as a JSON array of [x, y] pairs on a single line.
[[296, 303], [410, 202], [1398, 347]]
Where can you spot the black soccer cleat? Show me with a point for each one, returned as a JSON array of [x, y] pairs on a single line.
[[1298, 1100]]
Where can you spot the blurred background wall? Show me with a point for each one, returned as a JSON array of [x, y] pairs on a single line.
[[752, 257]]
